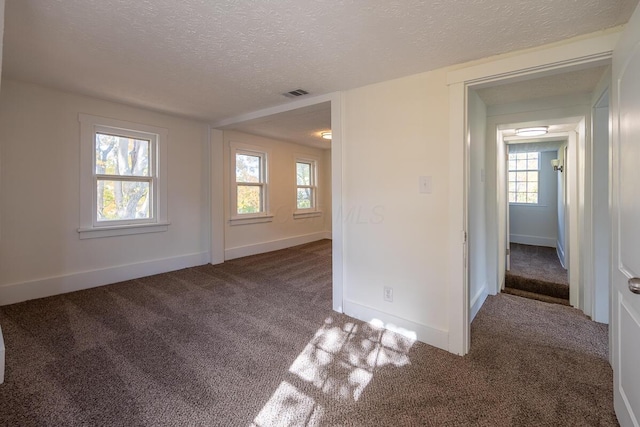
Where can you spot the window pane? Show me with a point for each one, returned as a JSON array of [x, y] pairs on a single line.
[[512, 156], [305, 200], [303, 173], [512, 186], [532, 156], [521, 176], [512, 197], [532, 164], [532, 187], [119, 155], [512, 177], [532, 197], [521, 197], [521, 187], [249, 199], [248, 168], [532, 176], [521, 165], [512, 165], [521, 156], [122, 200]]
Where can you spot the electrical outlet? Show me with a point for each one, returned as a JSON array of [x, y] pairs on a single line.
[[388, 294]]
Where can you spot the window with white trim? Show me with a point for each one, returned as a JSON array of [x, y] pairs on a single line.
[[306, 189], [249, 193], [524, 172], [122, 177]]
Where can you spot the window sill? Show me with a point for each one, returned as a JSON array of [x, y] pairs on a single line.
[[302, 214], [529, 205], [122, 230], [238, 220]]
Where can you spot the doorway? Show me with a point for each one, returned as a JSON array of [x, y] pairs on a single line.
[[463, 83], [286, 114]]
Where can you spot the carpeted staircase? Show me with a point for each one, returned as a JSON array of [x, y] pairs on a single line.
[[536, 273]]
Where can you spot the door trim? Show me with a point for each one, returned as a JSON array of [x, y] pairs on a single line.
[[556, 58]]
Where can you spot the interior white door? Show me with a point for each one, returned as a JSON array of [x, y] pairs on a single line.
[[625, 268]]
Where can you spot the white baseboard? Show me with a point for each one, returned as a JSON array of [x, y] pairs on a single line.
[[18, 292], [533, 240], [423, 333], [477, 301], [1, 357], [274, 245]]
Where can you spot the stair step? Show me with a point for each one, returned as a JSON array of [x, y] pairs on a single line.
[[542, 287], [533, 295]]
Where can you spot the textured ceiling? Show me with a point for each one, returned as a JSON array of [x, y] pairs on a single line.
[[570, 83], [300, 126], [217, 59]]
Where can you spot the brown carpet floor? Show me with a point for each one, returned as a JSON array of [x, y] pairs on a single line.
[[536, 273], [253, 342], [537, 262]]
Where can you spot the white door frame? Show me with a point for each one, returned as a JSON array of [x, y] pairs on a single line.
[[566, 57], [216, 165]]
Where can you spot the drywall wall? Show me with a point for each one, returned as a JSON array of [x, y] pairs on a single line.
[[477, 204], [1, 43], [394, 235], [284, 230], [40, 249], [601, 220], [537, 224]]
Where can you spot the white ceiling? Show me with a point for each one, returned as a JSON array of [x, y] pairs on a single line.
[[300, 126], [217, 59], [570, 83]]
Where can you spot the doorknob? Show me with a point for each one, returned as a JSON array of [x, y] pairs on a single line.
[[634, 285]]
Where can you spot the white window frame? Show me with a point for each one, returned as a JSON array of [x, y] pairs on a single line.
[[249, 218], [524, 170], [90, 227], [313, 210]]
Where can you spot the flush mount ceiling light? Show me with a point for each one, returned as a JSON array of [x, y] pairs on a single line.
[[326, 135], [533, 131]]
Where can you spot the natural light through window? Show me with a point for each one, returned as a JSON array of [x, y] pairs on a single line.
[[523, 177], [338, 363], [305, 184], [123, 177]]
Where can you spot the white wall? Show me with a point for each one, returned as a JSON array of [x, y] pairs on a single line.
[[40, 249], [394, 236], [2, 2], [477, 205], [537, 224], [284, 231], [601, 220]]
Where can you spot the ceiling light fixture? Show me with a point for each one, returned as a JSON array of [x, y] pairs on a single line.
[[326, 135], [533, 131]]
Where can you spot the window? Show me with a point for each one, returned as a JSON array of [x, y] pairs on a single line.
[[305, 185], [523, 177], [306, 188], [121, 187], [250, 193]]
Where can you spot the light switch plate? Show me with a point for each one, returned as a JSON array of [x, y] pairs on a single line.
[[425, 185]]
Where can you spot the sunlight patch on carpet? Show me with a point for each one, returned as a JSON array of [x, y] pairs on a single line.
[[339, 363]]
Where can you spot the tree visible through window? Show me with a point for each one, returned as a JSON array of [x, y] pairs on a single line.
[[250, 183], [523, 177], [305, 184], [123, 177]]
